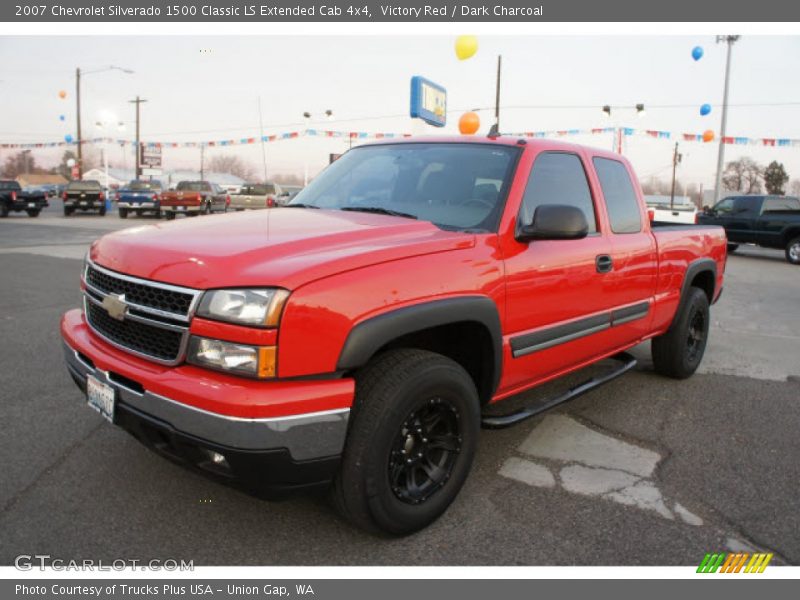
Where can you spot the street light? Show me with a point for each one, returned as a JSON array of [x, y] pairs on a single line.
[[640, 112], [78, 74], [105, 121], [730, 40], [307, 120]]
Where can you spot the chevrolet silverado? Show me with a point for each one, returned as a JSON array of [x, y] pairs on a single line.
[[357, 339]]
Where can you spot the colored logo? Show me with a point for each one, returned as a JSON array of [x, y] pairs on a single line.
[[735, 562]]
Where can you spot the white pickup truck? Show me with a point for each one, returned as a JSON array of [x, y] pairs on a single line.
[[664, 209]]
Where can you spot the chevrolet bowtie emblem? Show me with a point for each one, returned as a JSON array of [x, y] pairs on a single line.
[[115, 306]]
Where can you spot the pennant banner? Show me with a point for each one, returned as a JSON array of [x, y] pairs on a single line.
[[362, 135]]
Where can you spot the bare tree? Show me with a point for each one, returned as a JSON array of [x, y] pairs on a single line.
[[288, 179], [230, 163], [20, 163], [743, 175], [794, 187]]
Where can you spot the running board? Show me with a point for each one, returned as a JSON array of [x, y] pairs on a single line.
[[626, 363]]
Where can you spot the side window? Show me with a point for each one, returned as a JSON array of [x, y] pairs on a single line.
[[724, 207], [780, 204], [620, 197], [558, 178], [746, 204]]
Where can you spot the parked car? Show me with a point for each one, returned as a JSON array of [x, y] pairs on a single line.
[[256, 195], [666, 209], [767, 221], [288, 192], [14, 199], [139, 197], [357, 337], [84, 195], [193, 198]]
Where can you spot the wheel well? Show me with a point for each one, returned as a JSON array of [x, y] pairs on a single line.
[[790, 234], [705, 281], [467, 342]]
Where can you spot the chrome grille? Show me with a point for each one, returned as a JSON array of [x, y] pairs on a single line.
[[156, 321]]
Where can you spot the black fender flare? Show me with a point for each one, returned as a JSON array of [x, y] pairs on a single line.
[[370, 335], [697, 266]]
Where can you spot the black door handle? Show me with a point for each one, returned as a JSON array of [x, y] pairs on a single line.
[[603, 263]]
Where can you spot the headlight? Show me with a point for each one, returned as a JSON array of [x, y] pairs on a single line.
[[240, 359], [257, 308]]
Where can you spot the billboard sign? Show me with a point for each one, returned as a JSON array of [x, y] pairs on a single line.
[[428, 101], [150, 157]]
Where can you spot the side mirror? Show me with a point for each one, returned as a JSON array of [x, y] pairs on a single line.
[[555, 222]]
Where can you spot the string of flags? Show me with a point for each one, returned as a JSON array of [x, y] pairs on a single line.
[[363, 135]]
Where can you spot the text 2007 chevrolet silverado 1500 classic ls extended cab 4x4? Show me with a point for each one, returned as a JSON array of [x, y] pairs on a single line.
[[353, 338]]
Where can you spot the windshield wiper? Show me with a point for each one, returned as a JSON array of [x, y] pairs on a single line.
[[300, 206], [379, 210]]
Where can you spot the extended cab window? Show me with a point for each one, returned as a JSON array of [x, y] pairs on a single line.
[[558, 178], [780, 205], [457, 186], [725, 206], [620, 197]]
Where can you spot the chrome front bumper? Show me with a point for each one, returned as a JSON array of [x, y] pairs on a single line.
[[307, 436]]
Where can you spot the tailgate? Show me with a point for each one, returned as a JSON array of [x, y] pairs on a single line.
[[181, 199]]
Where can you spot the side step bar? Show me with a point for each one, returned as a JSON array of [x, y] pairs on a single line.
[[626, 363]]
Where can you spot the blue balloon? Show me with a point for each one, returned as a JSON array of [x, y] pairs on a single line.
[[705, 109], [68, 138], [697, 53], [62, 118]]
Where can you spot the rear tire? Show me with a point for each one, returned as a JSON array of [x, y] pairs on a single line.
[[123, 213], [34, 212], [170, 215], [3, 211], [411, 441], [207, 209], [679, 351], [793, 251], [157, 214], [68, 211], [732, 248], [102, 211]]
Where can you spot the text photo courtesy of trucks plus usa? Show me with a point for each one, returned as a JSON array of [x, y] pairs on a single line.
[[351, 326]]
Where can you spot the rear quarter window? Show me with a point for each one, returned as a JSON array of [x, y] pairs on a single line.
[[621, 201]]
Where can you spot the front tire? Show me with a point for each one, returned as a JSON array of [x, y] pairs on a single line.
[[679, 351], [412, 438], [793, 251]]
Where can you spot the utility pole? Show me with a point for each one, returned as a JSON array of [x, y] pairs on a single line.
[[730, 40], [676, 158], [202, 159], [263, 146], [78, 116], [138, 103]]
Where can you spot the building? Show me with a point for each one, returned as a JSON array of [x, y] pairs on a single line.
[[119, 177]]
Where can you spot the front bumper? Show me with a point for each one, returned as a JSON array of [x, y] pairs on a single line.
[[266, 454]]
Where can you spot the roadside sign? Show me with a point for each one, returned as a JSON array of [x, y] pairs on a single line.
[[428, 101], [151, 172], [150, 157]]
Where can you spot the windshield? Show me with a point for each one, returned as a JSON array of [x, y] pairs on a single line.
[[143, 186], [453, 185], [84, 185], [193, 186]]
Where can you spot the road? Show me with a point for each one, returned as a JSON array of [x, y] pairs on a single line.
[[644, 471]]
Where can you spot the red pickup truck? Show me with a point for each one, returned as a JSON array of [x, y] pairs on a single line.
[[193, 198], [356, 338]]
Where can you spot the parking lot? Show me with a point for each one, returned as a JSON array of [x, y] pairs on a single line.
[[645, 470]]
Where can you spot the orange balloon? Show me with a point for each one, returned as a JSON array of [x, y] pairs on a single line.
[[708, 135], [468, 123], [62, 94]]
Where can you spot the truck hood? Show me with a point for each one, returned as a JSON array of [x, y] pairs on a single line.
[[285, 247]]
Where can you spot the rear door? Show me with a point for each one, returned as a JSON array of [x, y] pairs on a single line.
[[632, 281], [775, 212], [738, 215]]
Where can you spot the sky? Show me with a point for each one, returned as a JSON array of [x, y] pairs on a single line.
[[208, 88]]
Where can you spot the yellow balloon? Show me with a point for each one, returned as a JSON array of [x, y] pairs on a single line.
[[466, 46]]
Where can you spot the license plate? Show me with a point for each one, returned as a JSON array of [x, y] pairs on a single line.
[[100, 397], [180, 208], [83, 203], [31, 204]]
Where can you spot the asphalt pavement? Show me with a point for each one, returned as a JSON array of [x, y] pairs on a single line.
[[644, 471]]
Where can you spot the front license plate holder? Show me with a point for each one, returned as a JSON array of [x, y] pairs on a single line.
[[100, 397]]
